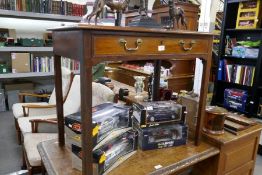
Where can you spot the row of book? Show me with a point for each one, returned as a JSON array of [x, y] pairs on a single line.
[[46, 64], [61, 7], [70, 64], [234, 73]]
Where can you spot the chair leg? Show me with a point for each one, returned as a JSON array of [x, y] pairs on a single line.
[[43, 168], [18, 132]]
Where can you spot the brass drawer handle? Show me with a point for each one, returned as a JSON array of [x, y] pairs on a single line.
[[124, 42], [182, 43]]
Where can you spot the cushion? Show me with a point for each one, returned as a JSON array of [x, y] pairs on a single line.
[[31, 140], [25, 124], [66, 76], [101, 94], [18, 110], [73, 100]]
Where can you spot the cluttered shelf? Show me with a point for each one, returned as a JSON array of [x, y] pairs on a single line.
[[235, 85], [58, 161], [230, 57], [38, 16], [30, 74], [244, 30], [26, 49], [26, 75]]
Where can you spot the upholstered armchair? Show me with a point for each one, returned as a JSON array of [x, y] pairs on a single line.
[[40, 108], [101, 94], [31, 157]]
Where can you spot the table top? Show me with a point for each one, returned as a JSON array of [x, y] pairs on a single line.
[[85, 26], [228, 137], [57, 160]]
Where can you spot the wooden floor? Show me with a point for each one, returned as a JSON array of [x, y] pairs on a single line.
[[10, 152]]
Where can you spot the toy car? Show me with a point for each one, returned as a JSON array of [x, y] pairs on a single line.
[[164, 135]]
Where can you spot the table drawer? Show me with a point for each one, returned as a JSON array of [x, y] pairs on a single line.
[[126, 45]]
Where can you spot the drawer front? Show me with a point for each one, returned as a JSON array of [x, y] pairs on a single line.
[[246, 169], [124, 45], [239, 156]]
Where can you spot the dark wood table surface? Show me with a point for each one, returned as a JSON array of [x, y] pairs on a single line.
[[58, 160]]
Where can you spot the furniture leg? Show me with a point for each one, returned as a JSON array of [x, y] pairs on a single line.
[[18, 132]]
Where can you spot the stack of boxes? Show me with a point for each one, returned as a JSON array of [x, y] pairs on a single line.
[[160, 124], [112, 136], [155, 125]]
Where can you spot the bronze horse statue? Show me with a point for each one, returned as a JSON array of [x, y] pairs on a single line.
[[176, 14], [119, 7]]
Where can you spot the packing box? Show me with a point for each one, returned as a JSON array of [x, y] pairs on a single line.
[[235, 99], [154, 113], [20, 62], [191, 104], [116, 148], [161, 136], [106, 118]]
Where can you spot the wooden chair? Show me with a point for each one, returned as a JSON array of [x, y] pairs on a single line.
[[41, 108], [31, 157], [101, 94]]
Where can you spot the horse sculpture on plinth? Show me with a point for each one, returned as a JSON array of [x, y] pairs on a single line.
[[118, 6], [176, 14]]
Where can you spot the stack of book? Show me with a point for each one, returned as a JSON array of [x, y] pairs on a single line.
[[44, 6], [234, 73]]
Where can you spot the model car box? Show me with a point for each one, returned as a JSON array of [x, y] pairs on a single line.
[[158, 112], [161, 136], [112, 151], [235, 99], [106, 118]]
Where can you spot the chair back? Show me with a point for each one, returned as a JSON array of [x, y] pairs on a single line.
[[72, 103], [66, 83]]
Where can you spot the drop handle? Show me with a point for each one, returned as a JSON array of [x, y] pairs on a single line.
[[182, 43], [138, 43]]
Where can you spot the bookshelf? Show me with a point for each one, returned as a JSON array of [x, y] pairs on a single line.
[[229, 29], [38, 16], [26, 75], [26, 49]]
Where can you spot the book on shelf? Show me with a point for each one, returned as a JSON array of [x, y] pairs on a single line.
[[234, 73], [61, 7], [70, 63]]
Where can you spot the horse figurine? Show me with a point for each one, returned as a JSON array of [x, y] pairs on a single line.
[[119, 7], [176, 14]]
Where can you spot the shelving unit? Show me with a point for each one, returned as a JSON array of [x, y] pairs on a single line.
[[26, 49], [228, 28], [26, 75], [36, 50], [38, 16]]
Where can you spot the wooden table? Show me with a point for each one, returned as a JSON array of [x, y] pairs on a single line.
[[94, 44], [58, 160]]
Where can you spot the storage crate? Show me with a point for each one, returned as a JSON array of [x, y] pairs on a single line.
[[249, 15]]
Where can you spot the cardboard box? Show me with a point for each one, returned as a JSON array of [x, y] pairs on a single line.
[[20, 62], [158, 112], [191, 104], [19, 86], [162, 136], [107, 117], [114, 150]]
